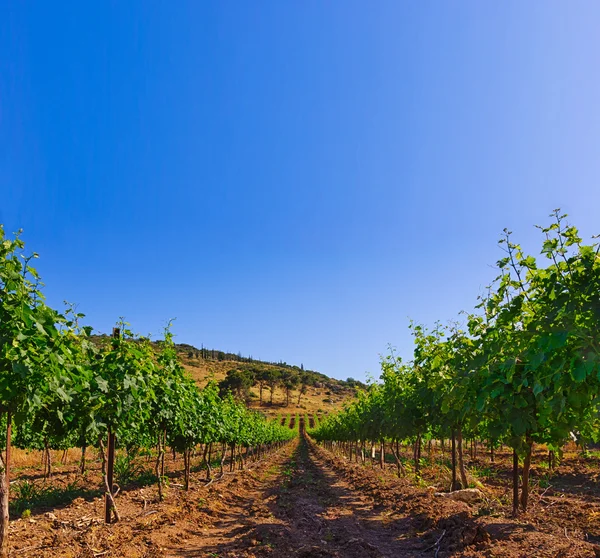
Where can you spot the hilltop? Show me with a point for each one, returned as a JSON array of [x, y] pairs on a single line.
[[315, 392]]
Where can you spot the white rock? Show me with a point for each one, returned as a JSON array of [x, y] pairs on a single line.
[[468, 495]]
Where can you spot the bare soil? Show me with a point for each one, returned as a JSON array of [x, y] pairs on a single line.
[[302, 501], [486, 529]]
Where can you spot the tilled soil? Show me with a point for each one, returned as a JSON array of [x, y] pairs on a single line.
[[304, 510], [460, 529], [317, 505], [300, 501]]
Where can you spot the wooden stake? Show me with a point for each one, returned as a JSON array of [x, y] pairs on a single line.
[[110, 466]]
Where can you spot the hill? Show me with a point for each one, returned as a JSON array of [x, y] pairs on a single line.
[[321, 394], [313, 393]]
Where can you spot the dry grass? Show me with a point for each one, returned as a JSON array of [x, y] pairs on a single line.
[[25, 459], [316, 400]]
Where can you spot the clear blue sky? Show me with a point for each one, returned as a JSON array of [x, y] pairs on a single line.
[[292, 180]]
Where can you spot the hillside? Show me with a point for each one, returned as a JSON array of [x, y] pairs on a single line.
[[323, 394]]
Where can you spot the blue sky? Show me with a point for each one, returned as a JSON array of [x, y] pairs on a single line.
[[292, 180]]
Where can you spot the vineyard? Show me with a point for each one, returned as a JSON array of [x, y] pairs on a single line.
[[483, 444], [59, 390], [524, 372], [300, 422]]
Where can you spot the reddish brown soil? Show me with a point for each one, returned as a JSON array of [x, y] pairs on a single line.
[[299, 508], [304, 502], [482, 530], [564, 502]]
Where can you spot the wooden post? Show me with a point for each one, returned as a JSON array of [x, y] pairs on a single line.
[[109, 474], [515, 483], [110, 466], [8, 436], [453, 462]]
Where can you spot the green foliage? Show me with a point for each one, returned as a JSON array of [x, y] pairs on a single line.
[[63, 390], [238, 381], [127, 468], [525, 369], [32, 351]]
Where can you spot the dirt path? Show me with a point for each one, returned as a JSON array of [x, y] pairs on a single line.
[[298, 507]]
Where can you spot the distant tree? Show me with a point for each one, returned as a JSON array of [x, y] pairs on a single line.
[[261, 377], [302, 391], [289, 380], [308, 378], [272, 377], [238, 381]]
